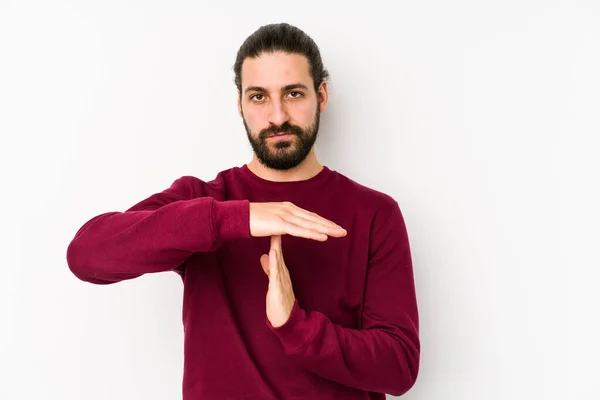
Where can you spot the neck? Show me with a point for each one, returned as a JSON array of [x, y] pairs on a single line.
[[305, 170]]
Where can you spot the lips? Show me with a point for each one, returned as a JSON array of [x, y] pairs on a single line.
[[280, 134]]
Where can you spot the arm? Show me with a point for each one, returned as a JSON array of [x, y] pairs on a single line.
[[158, 234], [384, 355]]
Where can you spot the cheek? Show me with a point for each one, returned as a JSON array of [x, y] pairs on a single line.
[[305, 113], [254, 119]]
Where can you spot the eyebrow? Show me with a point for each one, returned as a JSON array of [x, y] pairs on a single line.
[[283, 89]]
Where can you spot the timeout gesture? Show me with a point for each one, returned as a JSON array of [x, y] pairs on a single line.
[[285, 218], [280, 295]]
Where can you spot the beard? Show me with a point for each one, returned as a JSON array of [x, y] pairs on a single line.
[[284, 154]]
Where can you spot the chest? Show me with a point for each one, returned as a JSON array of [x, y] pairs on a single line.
[[326, 276]]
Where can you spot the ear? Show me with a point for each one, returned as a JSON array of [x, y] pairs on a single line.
[[322, 96], [239, 103]]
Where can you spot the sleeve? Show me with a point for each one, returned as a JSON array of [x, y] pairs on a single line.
[[158, 234], [383, 356]]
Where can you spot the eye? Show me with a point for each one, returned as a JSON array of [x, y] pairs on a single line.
[[298, 94], [254, 96]]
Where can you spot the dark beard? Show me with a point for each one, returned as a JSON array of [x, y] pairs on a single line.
[[287, 153]]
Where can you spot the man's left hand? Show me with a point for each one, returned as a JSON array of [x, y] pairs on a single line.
[[280, 296]]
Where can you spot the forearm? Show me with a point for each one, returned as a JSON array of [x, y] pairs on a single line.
[[384, 360], [123, 245]]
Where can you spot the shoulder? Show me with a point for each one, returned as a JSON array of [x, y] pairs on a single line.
[[366, 197], [199, 187], [380, 208]]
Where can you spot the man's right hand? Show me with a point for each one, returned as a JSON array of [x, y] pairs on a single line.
[[285, 218]]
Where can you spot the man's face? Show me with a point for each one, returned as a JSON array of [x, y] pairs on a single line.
[[278, 97]]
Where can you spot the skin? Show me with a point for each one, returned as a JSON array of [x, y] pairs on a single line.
[[268, 104], [275, 106], [280, 294]]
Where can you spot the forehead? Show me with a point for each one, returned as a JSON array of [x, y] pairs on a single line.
[[275, 70]]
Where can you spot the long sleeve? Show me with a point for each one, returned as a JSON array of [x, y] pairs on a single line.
[[383, 356], [158, 234]]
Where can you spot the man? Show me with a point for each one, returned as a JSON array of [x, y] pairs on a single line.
[[332, 313]]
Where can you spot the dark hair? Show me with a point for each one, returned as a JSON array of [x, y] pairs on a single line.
[[281, 37]]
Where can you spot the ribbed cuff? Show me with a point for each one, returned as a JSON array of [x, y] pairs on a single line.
[[297, 331], [231, 219]]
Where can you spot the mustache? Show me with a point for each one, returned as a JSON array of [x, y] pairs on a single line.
[[285, 127]]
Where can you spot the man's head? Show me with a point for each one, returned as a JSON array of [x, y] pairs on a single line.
[[282, 88]]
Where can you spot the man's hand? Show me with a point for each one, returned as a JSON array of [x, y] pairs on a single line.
[[268, 219], [280, 296]]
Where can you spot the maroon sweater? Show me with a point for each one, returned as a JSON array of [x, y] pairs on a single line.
[[353, 332]]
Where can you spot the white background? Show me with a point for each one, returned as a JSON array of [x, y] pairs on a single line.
[[481, 118]]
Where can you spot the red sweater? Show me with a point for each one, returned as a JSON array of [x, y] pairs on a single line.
[[353, 331]]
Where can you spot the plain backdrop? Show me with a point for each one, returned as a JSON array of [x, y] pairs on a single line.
[[480, 118]]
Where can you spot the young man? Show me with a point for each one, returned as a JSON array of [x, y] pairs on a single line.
[[298, 281]]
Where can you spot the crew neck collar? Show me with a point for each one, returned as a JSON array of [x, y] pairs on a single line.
[[309, 183]]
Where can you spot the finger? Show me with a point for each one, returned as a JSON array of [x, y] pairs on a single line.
[[273, 266], [276, 243], [296, 230], [315, 226], [280, 255], [311, 216]]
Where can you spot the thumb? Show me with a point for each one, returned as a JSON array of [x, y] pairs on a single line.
[[264, 262]]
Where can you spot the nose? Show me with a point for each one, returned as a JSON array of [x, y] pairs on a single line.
[[278, 114]]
